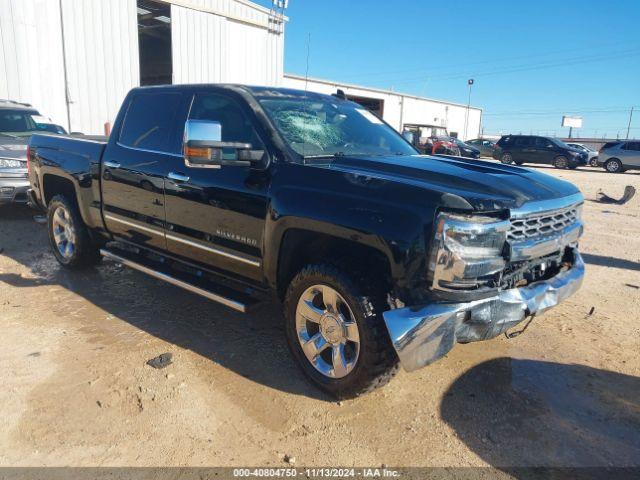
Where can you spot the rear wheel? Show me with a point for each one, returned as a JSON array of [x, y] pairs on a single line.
[[613, 165], [68, 235], [336, 333], [506, 158], [561, 162]]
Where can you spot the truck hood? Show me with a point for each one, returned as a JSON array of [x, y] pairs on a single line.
[[462, 183]]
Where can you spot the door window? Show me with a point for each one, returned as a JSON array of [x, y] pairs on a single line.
[[150, 122], [236, 126], [522, 142], [632, 146], [543, 143]]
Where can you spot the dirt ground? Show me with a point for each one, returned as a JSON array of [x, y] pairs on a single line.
[[76, 389]]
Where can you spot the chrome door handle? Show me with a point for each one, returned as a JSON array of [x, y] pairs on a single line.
[[178, 177], [111, 164]]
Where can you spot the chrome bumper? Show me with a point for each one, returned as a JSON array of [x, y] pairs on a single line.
[[421, 335]]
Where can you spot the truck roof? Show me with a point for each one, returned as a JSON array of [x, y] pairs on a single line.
[[13, 105], [256, 91]]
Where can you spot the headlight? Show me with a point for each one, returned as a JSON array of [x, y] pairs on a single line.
[[467, 251], [11, 163]]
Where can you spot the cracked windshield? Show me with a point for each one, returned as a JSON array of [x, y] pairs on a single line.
[[320, 129]]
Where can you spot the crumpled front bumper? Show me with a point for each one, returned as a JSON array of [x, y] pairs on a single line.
[[421, 335]]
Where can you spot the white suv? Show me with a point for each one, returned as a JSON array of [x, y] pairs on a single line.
[[617, 157]]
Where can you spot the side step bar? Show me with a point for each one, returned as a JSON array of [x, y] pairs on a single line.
[[178, 279]]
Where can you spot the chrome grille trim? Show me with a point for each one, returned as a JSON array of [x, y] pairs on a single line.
[[542, 224]]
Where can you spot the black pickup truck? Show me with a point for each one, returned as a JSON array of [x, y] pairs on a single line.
[[381, 256]]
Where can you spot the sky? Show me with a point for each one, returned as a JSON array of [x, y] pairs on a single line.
[[531, 61]]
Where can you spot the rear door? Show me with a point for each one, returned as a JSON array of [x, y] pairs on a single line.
[[631, 154], [135, 165], [216, 216], [523, 150]]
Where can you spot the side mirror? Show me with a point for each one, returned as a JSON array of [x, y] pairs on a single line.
[[203, 147]]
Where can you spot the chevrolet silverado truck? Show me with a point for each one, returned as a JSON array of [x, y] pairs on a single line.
[[381, 256]]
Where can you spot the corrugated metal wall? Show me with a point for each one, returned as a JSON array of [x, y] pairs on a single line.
[[101, 44], [101, 51], [31, 56], [220, 47]]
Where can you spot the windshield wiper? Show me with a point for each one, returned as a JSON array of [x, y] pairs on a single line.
[[324, 155]]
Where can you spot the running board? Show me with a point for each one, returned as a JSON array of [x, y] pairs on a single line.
[[182, 280]]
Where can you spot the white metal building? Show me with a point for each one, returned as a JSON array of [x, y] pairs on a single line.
[[75, 60], [403, 111]]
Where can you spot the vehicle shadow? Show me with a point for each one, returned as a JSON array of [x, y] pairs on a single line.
[[252, 345], [523, 413], [606, 261]]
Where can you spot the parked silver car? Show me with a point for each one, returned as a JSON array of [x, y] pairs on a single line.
[[592, 155], [619, 156]]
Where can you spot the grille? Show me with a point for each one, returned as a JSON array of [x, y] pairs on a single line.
[[542, 224]]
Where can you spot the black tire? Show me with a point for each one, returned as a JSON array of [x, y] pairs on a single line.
[[506, 158], [593, 162], [377, 362], [84, 253], [561, 162], [613, 165]]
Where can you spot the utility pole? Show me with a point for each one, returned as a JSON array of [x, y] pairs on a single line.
[[629, 126], [466, 117]]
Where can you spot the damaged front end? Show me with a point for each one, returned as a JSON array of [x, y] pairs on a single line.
[[488, 274]]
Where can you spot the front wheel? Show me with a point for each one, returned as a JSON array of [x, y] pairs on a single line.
[[561, 162], [613, 166], [593, 162], [336, 333], [68, 235]]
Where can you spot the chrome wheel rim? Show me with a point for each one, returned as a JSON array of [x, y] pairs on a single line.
[[506, 158], [64, 234], [327, 331], [561, 163], [612, 166]]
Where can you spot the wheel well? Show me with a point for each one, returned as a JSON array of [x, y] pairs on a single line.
[[53, 185], [302, 247]]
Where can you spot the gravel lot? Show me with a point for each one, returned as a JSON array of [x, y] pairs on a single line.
[[76, 389]]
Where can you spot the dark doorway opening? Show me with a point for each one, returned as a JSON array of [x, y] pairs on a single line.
[[374, 105], [154, 43]]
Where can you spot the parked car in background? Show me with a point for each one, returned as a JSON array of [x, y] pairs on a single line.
[[486, 147], [592, 155], [466, 150], [520, 149], [617, 157], [18, 121]]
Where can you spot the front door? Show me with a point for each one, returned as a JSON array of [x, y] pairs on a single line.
[[545, 150], [135, 165], [216, 216]]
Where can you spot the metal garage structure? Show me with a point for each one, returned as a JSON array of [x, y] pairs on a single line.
[[76, 59]]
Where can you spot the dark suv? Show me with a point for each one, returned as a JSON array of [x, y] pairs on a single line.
[[521, 149]]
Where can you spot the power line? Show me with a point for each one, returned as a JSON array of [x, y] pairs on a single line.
[[491, 61], [527, 67]]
